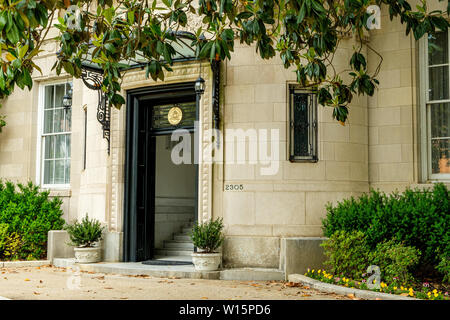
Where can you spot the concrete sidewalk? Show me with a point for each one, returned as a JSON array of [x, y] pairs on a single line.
[[50, 283], [178, 271]]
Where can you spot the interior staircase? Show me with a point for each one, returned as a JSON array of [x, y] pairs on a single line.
[[179, 247]]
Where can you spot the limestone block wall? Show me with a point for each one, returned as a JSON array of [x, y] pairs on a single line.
[[378, 147], [291, 202], [392, 110]]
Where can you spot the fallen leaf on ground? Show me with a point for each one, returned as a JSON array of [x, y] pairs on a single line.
[[293, 284], [27, 279], [36, 293], [40, 281], [124, 298], [351, 295], [108, 288], [404, 294], [306, 295], [204, 298], [100, 278]]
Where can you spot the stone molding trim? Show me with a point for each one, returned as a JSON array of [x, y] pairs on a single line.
[[182, 72]]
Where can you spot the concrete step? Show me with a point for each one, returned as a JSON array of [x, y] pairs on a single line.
[[181, 237], [172, 252], [252, 274], [186, 230], [181, 218], [173, 258], [175, 209], [189, 224], [169, 201], [174, 244]]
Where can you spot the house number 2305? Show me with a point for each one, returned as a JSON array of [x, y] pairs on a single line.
[[234, 187]]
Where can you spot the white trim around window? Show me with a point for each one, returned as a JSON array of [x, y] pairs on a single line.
[[428, 100], [53, 145]]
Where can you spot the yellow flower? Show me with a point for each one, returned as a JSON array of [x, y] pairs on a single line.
[[429, 293], [435, 295], [395, 288], [411, 293], [401, 288], [319, 271], [312, 271], [434, 291]]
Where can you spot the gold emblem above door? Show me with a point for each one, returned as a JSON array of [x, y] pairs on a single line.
[[174, 116]]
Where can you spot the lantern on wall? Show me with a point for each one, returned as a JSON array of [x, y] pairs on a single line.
[[199, 85], [67, 99]]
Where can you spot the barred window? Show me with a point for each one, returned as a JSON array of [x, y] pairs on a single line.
[[303, 125]]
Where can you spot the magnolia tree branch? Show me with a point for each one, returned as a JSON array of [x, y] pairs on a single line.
[[304, 34]]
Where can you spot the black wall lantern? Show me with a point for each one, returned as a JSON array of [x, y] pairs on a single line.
[[199, 86], [67, 99]]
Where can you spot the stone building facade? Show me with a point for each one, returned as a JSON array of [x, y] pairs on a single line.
[[386, 144]]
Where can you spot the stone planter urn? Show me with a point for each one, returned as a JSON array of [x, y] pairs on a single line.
[[88, 254], [206, 261]]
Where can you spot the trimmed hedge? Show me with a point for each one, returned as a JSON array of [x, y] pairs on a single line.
[[30, 214], [417, 218]]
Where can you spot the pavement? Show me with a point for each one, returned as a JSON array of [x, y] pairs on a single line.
[[53, 283]]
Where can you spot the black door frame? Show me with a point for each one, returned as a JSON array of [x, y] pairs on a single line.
[[171, 92]]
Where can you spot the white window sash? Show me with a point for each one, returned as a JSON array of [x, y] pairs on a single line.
[[40, 148], [425, 117]]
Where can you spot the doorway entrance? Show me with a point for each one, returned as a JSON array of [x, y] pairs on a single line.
[[160, 183]]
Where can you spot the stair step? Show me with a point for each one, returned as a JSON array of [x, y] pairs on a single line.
[[176, 202], [173, 252], [174, 209], [182, 245], [181, 237], [186, 230], [188, 224]]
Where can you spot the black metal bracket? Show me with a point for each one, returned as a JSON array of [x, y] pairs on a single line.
[[93, 80], [215, 67]]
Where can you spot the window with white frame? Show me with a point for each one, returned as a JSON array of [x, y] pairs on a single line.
[[436, 112], [55, 134]]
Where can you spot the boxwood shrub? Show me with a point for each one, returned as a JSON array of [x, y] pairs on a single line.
[[417, 218], [29, 214]]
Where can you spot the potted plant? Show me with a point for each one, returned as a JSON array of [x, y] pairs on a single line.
[[85, 236], [207, 237]]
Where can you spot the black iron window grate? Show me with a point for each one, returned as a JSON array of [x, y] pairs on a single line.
[[303, 125]]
